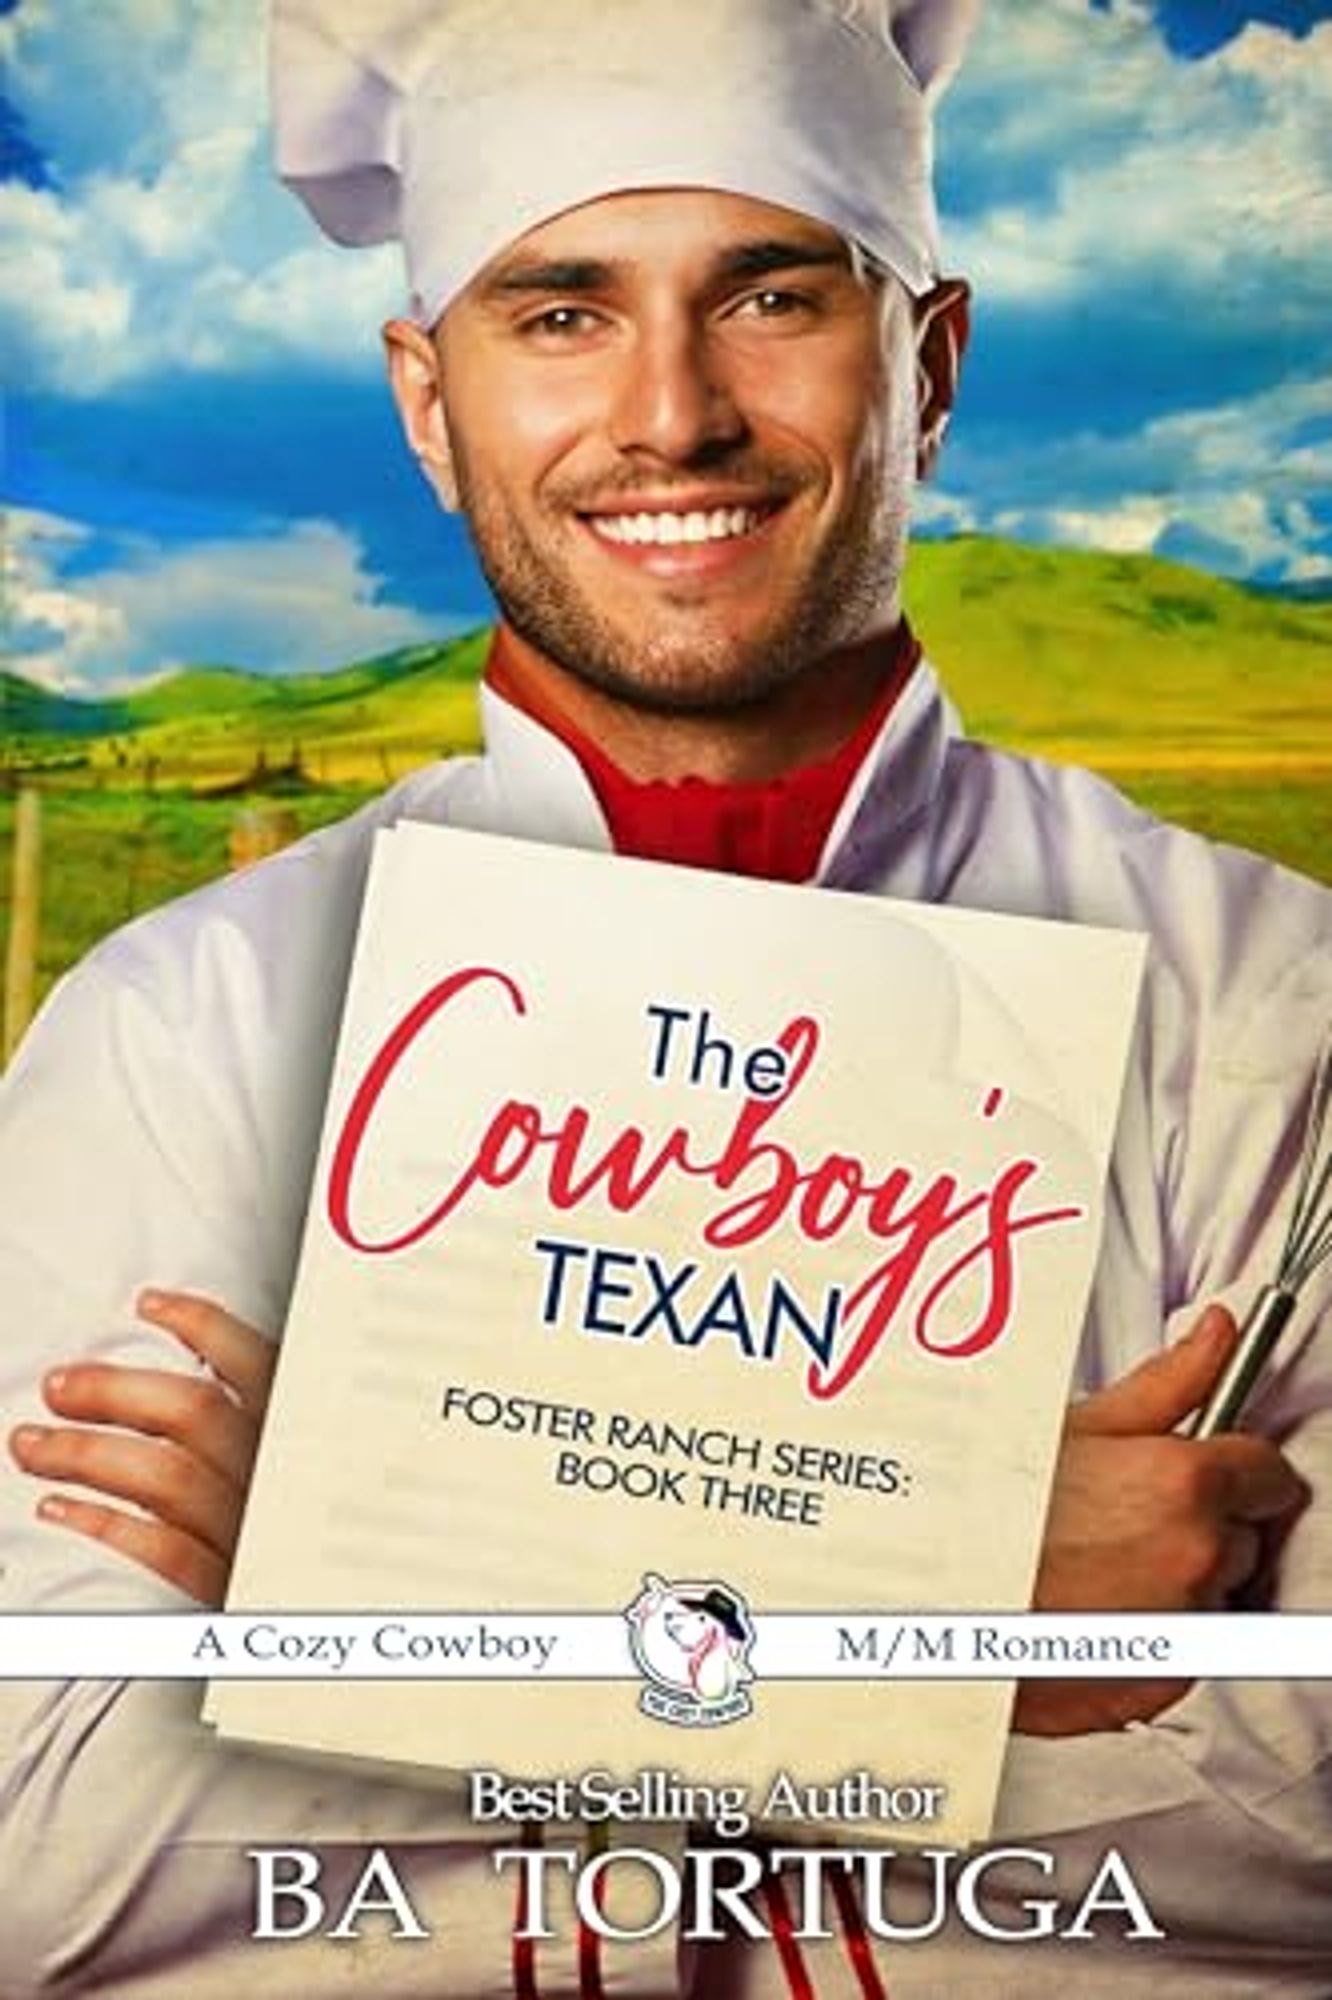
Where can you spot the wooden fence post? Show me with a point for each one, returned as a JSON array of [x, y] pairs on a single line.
[[24, 921], [260, 830]]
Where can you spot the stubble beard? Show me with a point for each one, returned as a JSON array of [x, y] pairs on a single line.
[[849, 583]]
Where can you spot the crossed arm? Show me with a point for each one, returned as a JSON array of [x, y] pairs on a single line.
[[1141, 1519]]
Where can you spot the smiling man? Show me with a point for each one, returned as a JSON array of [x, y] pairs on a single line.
[[679, 348], [683, 427]]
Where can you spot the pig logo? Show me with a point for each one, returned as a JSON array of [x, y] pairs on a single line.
[[691, 1642]]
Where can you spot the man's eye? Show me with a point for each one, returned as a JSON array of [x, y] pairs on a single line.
[[775, 303], [561, 322]]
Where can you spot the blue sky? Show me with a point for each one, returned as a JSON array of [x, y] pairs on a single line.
[[203, 465]]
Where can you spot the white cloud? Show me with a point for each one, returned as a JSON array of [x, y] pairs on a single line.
[[157, 73], [1239, 534], [42, 292], [168, 242], [297, 597], [1093, 169], [1240, 481], [1230, 439], [1146, 164], [165, 241], [942, 513], [1261, 533], [1131, 526], [45, 620], [324, 304], [167, 217]]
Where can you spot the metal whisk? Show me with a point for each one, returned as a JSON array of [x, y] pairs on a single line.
[[1308, 1243]]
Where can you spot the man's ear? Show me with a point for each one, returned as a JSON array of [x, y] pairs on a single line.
[[413, 372], [943, 321]]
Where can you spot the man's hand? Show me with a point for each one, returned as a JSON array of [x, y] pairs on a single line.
[[1141, 1520], [179, 1447]]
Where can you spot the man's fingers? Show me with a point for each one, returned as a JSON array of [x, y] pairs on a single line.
[[1251, 1479], [1159, 1393], [1240, 1555], [175, 1446], [186, 1409], [237, 1353], [197, 1570], [1079, 1708], [1153, 1522], [155, 1475]]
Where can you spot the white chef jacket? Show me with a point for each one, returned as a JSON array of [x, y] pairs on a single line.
[[159, 1126]]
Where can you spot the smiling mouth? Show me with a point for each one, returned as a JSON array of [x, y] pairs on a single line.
[[668, 528]]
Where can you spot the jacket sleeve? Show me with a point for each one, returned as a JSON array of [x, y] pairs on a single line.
[[1241, 1006], [139, 1143]]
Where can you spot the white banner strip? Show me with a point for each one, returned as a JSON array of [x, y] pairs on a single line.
[[567, 1646]]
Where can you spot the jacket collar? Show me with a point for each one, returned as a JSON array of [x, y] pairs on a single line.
[[532, 786]]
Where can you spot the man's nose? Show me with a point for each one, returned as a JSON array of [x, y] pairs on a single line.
[[674, 399]]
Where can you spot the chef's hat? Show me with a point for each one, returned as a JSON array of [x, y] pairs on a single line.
[[458, 125]]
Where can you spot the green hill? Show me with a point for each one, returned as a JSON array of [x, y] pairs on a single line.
[[1123, 659], [207, 724], [1209, 702], [197, 692], [27, 710], [1126, 662]]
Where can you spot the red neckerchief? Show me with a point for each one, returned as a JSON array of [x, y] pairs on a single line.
[[774, 827]]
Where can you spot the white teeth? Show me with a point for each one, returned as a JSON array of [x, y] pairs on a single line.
[[666, 530]]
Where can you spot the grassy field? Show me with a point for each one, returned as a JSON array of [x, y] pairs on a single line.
[[1288, 817], [362, 725], [1210, 703], [109, 855]]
